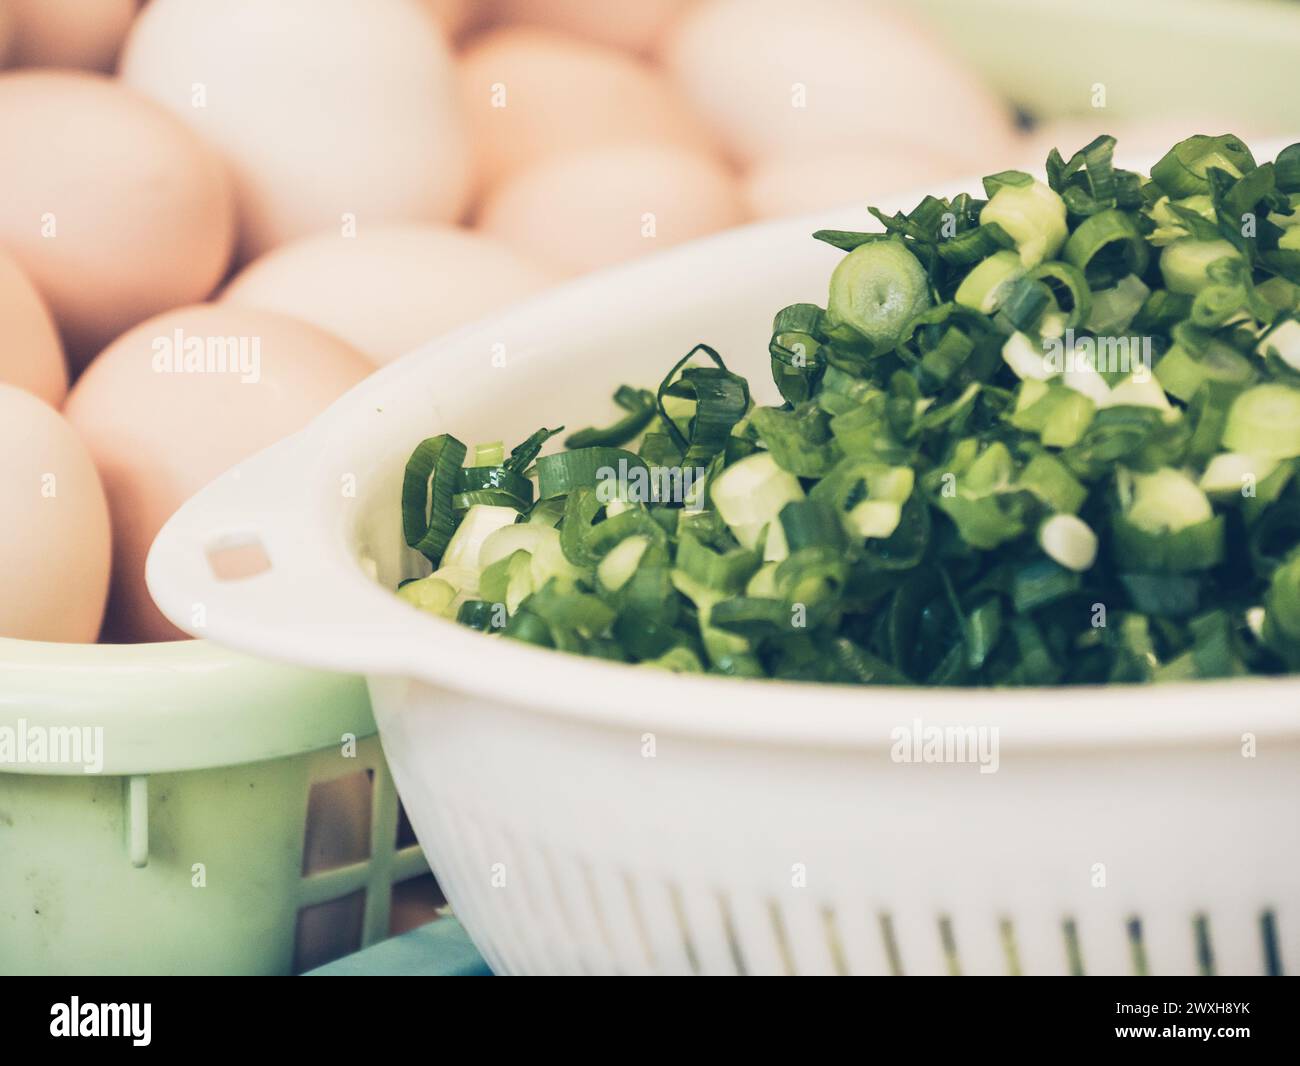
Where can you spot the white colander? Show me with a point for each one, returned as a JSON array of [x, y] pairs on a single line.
[[586, 816]]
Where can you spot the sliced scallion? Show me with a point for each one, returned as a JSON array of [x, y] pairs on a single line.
[[1265, 421], [428, 486], [971, 460]]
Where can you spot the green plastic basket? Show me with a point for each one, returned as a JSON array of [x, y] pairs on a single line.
[[185, 852], [1224, 59]]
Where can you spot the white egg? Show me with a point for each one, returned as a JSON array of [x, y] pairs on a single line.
[[795, 184], [590, 209], [330, 113], [388, 290], [54, 540], [774, 77]]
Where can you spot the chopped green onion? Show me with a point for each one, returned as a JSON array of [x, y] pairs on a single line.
[[640, 407], [796, 353], [875, 291], [1281, 628], [1265, 421], [800, 440], [1032, 215], [1287, 168], [477, 614], [1113, 310], [1167, 500], [522, 456], [617, 568], [1058, 414], [563, 472], [810, 524], [1068, 540], [1233, 474], [984, 287], [1040, 583], [1062, 277], [1185, 264], [1183, 170], [478, 524], [499, 479], [1051, 481], [1182, 373], [1106, 247], [508, 539], [750, 494], [430, 594], [1026, 358], [721, 400], [1283, 342], [427, 489], [971, 459]]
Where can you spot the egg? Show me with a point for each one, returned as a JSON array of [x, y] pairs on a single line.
[[776, 78], [452, 15], [6, 31], [178, 400], [795, 184], [590, 209], [30, 354], [113, 208], [637, 27], [54, 540], [532, 94], [388, 290], [330, 113], [69, 33]]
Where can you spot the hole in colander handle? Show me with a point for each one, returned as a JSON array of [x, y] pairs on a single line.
[[305, 601]]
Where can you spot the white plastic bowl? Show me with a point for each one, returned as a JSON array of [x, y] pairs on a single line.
[[586, 816]]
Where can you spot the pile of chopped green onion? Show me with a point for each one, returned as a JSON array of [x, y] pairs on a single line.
[[1044, 437]]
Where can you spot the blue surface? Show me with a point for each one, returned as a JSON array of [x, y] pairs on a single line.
[[439, 949]]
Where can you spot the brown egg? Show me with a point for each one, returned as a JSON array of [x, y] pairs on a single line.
[[330, 113], [69, 33], [6, 31], [112, 206], [532, 94], [590, 209], [452, 15], [54, 540], [636, 27], [30, 354], [180, 399], [388, 290]]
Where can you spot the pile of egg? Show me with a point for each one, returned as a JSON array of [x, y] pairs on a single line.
[[339, 180]]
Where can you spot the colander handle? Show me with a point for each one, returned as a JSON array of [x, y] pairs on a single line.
[[311, 605]]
